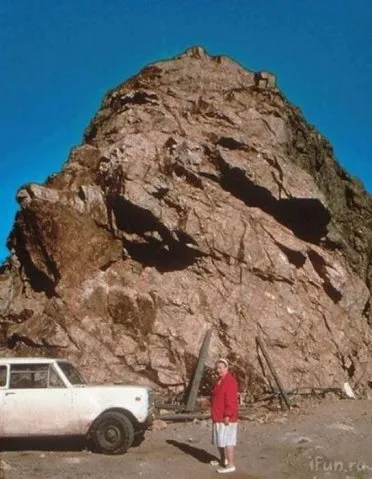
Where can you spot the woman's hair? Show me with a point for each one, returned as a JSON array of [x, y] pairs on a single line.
[[223, 361]]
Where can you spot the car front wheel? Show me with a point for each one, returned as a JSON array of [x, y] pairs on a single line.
[[113, 433]]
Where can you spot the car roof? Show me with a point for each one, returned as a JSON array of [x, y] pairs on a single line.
[[29, 360]]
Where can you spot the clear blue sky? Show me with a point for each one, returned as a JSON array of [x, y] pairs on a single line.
[[57, 59]]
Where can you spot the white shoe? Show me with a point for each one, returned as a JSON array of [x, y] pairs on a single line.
[[226, 470], [217, 463]]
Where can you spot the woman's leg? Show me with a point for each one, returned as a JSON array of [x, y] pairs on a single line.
[[230, 456], [222, 455]]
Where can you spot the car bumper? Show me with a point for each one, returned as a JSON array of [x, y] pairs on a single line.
[[149, 420], [143, 425]]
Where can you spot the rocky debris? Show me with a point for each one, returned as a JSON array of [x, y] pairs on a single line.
[[158, 425], [200, 197]]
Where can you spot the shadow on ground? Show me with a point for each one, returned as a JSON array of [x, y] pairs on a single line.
[[205, 457], [43, 444], [200, 454], [61, 444]]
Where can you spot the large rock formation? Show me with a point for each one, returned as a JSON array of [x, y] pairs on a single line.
[[200, 197]]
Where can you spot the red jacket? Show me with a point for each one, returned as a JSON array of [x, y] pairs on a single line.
[[224, 401]]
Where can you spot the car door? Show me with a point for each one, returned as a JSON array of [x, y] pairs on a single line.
[[36, 403], [85, 400]]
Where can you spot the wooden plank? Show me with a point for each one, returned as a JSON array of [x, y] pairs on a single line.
[[183, 416], [169, 407], [273, 372], [195, 384]]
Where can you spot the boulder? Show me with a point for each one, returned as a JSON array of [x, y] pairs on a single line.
[[199, 198]]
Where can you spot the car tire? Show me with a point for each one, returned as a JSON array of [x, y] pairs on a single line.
[[139, 437], [113, 433]]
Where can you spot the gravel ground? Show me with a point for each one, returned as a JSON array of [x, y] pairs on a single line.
[[328, 440]]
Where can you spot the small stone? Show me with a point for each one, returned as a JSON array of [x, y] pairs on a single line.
[[303, 440], [158, 425]]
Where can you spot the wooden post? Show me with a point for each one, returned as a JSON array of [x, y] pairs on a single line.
[[195, 384], [273, 372]]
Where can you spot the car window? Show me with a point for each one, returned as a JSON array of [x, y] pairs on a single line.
[[54, 379], [28, 376], [3, 371], [71, 373]]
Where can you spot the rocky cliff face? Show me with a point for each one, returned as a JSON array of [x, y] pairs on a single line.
[[200, 197]]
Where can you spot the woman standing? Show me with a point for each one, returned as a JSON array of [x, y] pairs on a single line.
[[224, 405]]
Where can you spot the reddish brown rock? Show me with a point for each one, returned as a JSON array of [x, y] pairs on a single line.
[[200, 198], [158, 425]]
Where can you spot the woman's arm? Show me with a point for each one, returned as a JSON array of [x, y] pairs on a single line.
[[231, 400]]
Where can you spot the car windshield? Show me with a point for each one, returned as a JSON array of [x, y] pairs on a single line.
[[71, 373]]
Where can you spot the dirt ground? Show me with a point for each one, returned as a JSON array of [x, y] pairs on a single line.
[[332, 439]]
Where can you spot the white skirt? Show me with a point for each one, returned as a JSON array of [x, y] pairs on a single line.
[[224, 435]]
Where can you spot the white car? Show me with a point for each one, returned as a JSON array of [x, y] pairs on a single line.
[[48, 397]]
